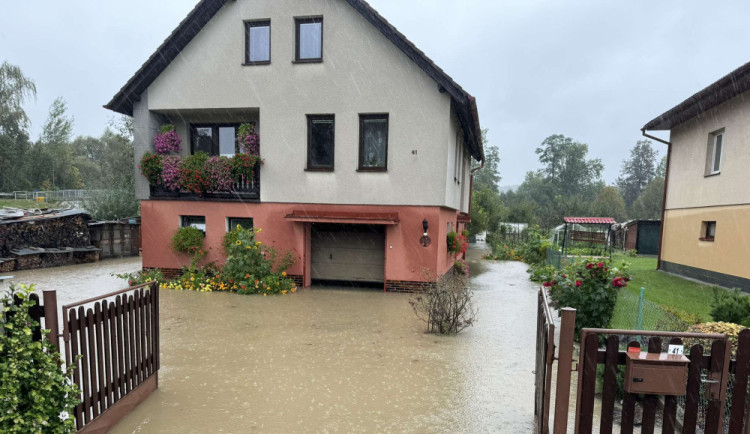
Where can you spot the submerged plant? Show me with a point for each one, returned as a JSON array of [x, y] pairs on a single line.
[[446, 306]]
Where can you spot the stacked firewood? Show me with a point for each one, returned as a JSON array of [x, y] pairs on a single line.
[[54, 232]]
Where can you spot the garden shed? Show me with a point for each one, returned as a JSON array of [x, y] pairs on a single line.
[[643, 236]]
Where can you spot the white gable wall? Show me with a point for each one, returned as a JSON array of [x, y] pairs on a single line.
[[362, 72]]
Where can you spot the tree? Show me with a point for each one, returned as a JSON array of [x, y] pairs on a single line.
[[15, 89], [661, 169], [648, 206], [489, 176], [637, 171], [609, 203], [52, 156], [566, 166], [58, 128]]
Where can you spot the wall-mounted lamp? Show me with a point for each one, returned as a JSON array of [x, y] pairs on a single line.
[[425, 241]]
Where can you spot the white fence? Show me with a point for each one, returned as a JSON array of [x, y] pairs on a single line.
[[52, 195]]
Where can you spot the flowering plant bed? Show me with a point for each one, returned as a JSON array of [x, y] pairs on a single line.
[[457, 243]]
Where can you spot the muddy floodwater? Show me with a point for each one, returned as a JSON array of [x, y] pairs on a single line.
[[337, 360]]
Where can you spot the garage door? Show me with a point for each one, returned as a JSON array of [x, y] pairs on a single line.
[[348, 253]]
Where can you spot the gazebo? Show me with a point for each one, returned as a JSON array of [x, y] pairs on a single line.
[[597, 231]]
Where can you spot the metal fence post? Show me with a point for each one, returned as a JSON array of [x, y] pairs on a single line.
[[641, 301]]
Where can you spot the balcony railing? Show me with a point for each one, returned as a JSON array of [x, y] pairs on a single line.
[[246, 189]]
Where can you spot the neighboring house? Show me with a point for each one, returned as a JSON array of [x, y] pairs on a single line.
[[706, 214], [322, 81]]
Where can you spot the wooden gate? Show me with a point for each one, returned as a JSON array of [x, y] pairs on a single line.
[[545, 356], [707, 374], [113, 342]]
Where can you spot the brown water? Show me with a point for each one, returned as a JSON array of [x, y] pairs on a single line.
[[331, 359]]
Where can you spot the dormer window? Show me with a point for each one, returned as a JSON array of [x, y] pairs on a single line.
[[309, 40], [258, 42]]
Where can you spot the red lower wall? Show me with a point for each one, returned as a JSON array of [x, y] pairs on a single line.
[[406, 259]]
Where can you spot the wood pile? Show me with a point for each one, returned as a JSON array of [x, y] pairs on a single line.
[[66, 230]]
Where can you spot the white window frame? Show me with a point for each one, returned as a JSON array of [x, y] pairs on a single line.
[[714, 138]]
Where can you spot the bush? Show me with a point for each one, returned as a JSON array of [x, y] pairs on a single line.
[[254, 268], [589, 287], [36, 395], [115, 202], [542, 273], [143, 276], [447, 306], [461, 267], [189, 240], [731, 330], [731, 307], [151, 168]]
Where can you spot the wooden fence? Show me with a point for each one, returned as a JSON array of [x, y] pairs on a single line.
[[114, 346], [545, 354], [715, 398], [113, 343]]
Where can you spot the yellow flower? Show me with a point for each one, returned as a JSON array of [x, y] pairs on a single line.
[[258, 243], [239, 243], [247, 247], [258, 230], [239, 227], [283, 273]]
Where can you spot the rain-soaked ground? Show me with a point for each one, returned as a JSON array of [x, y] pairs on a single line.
[[333, 359]]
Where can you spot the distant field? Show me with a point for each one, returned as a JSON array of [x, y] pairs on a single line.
[[25, 204]]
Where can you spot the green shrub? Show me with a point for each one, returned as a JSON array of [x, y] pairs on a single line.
[[542, 273], [189, 240], [731, 306], [143, 276], [591, 288], [35, 393], [252, 267], [731, 330], [151, 167]]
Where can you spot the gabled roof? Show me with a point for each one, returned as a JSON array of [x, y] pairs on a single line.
[[590, 220], [726, 88], [463, 103]]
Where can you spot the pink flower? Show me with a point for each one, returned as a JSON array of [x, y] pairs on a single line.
[[578, 283], [589, 266], [167, 143], [600, 265], [619, 282]]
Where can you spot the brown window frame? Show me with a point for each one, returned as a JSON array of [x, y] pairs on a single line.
[[215, 150], [307, 20], [362, 118], [310, 119], [257, 23]]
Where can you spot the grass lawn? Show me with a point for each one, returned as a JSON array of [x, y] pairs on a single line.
[[661, 288], [25, 204]]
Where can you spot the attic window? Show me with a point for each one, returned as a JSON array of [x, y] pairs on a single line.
[[258, 42], [309, 39]]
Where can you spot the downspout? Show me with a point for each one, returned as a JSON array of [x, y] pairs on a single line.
[[664, 197]]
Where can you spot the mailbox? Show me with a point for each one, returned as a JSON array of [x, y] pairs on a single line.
[[656, 373]]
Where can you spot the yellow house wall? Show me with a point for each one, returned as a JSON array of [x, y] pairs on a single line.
[[729, 253]]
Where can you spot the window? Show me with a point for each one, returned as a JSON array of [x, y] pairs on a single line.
[[214, 139], [243, 222], [708, 231], [373, 142], [320, 142], [309, 39], [258, 42], [715, 151], [198, 222]]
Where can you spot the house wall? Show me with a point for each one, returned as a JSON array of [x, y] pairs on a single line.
[[406, 259], [362, 72], [688, 185], [729, 252]]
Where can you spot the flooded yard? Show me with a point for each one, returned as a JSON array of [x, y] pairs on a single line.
[[332, 359]]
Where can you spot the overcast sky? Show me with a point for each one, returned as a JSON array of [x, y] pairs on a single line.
[[593, 70]]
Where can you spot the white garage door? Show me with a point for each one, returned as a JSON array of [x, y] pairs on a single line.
[[348, 253]]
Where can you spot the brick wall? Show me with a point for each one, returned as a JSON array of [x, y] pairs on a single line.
[[408, 286], [298, 280]]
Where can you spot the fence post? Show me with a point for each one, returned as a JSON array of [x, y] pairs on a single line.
[[641, 301], [564, 369], [50, 318]]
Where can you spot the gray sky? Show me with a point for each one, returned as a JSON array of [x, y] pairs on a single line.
[[593, 70]]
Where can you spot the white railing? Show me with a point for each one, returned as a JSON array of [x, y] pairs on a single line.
[[56, 195]]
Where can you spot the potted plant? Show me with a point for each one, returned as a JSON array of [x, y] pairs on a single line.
[[193, 175], [167, 141]]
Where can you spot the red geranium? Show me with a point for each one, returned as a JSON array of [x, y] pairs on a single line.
[[578, 283]]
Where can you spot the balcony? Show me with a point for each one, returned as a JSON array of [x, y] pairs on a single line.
[[245, 190]]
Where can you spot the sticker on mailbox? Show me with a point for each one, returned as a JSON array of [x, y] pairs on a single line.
[[676, 350]]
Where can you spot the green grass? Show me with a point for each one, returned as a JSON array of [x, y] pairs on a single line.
[[663, 289], [25, 204]]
